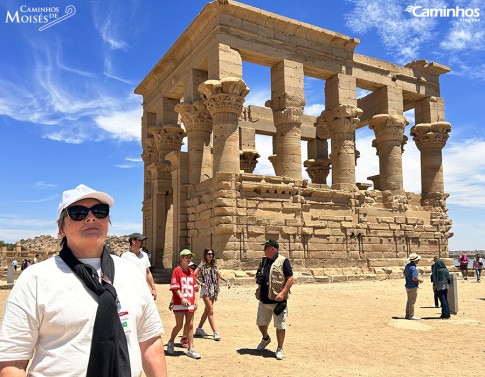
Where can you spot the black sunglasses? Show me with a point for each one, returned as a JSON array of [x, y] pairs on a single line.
[[78, 213]]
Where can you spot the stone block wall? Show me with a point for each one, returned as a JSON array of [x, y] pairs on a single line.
[[315, 226]]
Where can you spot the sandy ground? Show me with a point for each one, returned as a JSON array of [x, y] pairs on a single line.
[[339, 329]]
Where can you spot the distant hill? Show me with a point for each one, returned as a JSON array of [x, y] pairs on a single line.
[[468, 253], [118, 244]]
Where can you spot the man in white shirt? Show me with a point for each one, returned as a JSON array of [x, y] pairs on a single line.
[[140, 258]]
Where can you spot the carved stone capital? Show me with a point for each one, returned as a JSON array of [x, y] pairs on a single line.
[[168, 138], [341, 121], [318, 169], [149, 154], [431, 135], [248, 159], [342, 128], [286, 100], [341, 111], [226, 95], [290, 115], [195, 116], [322, 128], [388, 128]]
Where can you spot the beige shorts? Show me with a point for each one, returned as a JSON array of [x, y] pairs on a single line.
[[265, 312]]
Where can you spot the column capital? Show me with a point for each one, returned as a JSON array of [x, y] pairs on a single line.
[[431, 135], [388, 127], [318, 169], [225, 95], [168, 137], [195, 116], [341, 119], [149, 154], [290, 115], [341, 111], [322, 128], [248, 159]]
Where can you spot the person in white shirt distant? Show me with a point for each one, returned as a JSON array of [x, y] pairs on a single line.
[[140, 258]]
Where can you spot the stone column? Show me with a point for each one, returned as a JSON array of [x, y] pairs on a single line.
[[179, 176], [389, 131], [224, 100], [287, 102], [341, 122], [149, 157], [247, 146], [168, 138], [198, 125], [318, 163], [430, 139], [287, 140]]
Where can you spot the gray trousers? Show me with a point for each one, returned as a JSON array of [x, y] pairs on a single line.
[[412, 296]]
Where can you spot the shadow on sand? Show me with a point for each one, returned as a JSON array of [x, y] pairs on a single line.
[[255, 352]]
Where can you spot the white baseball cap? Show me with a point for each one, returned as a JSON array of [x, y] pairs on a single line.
[[82, 192]]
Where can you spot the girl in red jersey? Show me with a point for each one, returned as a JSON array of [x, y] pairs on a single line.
[[184, 287]]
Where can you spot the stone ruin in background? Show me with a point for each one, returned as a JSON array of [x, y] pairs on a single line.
[[209, 196]]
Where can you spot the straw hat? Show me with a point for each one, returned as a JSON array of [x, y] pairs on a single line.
[[414, 257]]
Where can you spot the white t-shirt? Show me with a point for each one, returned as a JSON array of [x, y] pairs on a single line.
[[49, 315], [142, 261]]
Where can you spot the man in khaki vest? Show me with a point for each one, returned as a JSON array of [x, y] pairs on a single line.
[[275, 278]]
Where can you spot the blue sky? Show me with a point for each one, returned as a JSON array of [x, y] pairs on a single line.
[[68, 114]]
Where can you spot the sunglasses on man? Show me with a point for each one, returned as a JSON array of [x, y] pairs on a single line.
[[78, 213]]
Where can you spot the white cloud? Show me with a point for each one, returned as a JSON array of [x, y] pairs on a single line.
[[314, 109], [466, 36], [134, 159], [258, 97], [395, 27], [44, 185], [122, 125], [264, 146], [464, 172], [70, 105], [109, 23], [14, 228], [41, 200], [124, 228]]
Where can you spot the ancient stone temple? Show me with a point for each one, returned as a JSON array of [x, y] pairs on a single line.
[[209, 195]]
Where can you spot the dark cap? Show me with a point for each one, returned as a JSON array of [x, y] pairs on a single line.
[[271, 243], [137, 236]]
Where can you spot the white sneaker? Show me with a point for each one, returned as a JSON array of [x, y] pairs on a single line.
[[199, 332], [264, 342], [279, 354], [194, 355], [217, 336], [170, 348], [415, 318]]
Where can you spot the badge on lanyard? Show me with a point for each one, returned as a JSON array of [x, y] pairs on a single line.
[[125, 320]]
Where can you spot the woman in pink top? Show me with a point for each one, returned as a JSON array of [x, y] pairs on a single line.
[[463, 260]]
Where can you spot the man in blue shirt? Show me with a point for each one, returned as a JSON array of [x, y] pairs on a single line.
[[412, 283]]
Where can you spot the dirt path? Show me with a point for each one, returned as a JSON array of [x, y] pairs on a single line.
[[340, 329]]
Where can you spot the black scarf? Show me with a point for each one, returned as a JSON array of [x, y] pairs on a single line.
[[109, 350]]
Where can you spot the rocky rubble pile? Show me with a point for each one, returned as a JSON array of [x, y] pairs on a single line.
[[118, 244]]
